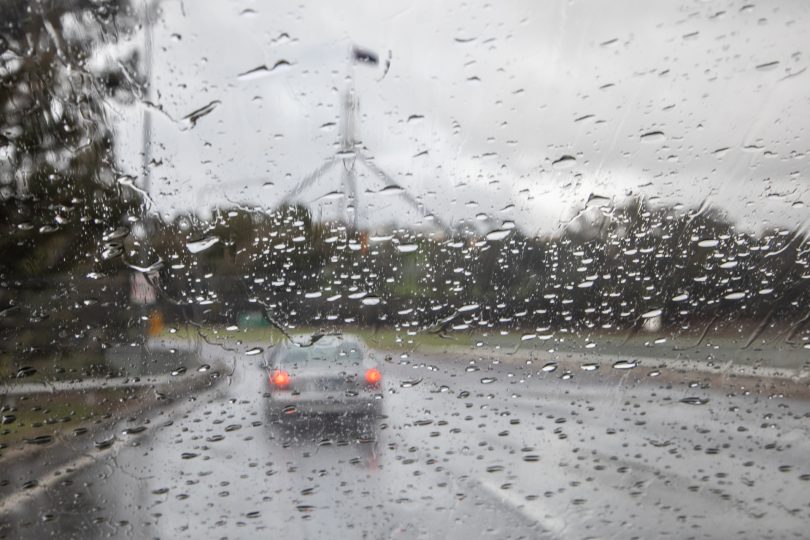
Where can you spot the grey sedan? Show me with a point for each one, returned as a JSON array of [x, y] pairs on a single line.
[[335, 375]]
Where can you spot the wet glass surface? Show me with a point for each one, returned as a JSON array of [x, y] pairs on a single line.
[[469, 270]]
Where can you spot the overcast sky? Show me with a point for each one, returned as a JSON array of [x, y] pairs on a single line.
[[480, 100]]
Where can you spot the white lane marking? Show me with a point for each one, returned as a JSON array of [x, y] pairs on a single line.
[[14, 501], [51, 478], [101, 383], [606, 358], [532, 510], [86, 384]]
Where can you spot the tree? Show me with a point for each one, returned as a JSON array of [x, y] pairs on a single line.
[[58, 190]]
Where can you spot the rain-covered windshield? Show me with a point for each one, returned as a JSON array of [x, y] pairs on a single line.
[[556, 252]]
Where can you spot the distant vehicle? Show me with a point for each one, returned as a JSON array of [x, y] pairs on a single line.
[[334, 375]]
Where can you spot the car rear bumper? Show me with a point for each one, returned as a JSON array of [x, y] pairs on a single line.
[[301, 404]]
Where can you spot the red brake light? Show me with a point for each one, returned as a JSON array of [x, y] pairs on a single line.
[[280, 378], [373, 376]]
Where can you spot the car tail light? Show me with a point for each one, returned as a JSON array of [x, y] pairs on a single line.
[[373, 376], [280, 378]]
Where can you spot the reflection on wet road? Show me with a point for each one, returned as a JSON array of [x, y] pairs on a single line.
[[464, 450]]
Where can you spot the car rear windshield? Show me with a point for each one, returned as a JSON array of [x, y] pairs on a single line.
[[323, 353]]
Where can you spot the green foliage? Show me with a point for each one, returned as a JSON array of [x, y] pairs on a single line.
[[58, 189]]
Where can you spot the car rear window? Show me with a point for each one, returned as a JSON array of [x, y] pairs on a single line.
[[321, 354]]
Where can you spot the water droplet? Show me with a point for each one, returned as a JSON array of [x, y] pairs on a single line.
[[101, 445], [625, 364], [331, 196], [653, 137], [393, 189], [112, 250], [192, 118], [154, 267], [737, 295], [549, 367], [652, 313], [591, 366], [564, 162], [695, 401], [708, 243], [498, 234], [40, 440], [371, 300], [767, 66], [197, 246], [116, 234], [488, 380], [25, 371], [188, 455], [410, 383], [407, 248], [263, 71], [254, 351]]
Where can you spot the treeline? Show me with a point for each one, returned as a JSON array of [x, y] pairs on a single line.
[[616, 267], [59, 193]]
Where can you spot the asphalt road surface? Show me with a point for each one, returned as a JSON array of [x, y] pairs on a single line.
[[466, 449]]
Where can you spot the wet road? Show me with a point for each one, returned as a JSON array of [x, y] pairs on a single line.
[[465, 450]]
